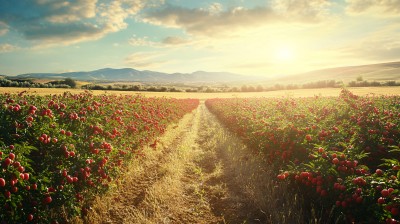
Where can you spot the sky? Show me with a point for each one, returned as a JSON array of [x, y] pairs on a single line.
[[251, 37]]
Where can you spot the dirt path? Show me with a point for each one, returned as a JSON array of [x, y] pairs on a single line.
[[198, 174]]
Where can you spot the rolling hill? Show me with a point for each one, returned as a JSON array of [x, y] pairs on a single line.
[[372, 72], [133, 75]]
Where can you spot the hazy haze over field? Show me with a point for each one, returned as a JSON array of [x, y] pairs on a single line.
[[257, 37]]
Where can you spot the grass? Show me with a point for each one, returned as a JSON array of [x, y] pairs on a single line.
[[281, 93]]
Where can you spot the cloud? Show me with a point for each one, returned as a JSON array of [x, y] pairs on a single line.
[[308, 11], [378, 7], [166, 42], [214, 21], [144, 60], [60, 11], [142, 41], [381, 45], [7, 48], [3, 28], [54, 22], [174, 40]]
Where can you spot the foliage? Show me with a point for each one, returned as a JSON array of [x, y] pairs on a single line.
[[342, 153], [58, 151]]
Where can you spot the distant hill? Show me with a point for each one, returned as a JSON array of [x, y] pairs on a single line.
[[372, 72], [133, 75]]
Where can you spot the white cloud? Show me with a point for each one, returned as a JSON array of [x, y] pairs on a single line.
[[142, 41], [166, 42], [174, 40], [381, 45], [215, 21], [215, 8], [3, 28], [60, 22], [60, 11], [302, 10], [144, 60], [377, 7], [8, 48]]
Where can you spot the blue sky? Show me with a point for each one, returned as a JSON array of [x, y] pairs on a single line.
[[250, 37]]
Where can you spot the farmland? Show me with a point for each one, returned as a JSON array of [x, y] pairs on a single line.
[[204, 96], [304, 156], [341, 152], [57, 152]]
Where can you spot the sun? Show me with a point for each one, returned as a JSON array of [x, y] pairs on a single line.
[[284, 54]]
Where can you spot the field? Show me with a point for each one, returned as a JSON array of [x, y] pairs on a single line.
[[204, 96], [301, 156]]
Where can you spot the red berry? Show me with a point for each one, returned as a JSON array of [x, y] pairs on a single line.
[[381, 200], [47, 200], [7, 162], [335, 160], [2, 182], [379, 172], [14, 189], [30, 217], [385, 193], [394, 211], [11, 156], [21, 169]]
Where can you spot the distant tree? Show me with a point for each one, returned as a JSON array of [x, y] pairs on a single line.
[[136, 88], [278, 86], [70, 82], [244, 88], [375, 83], [173, 89], [292, 86], [259, 88], [359, 79], [391, 83], [251, 89], [235, 89], [209, 90], [352, 84]]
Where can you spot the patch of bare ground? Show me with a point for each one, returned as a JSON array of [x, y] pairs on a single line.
[[200, 173]]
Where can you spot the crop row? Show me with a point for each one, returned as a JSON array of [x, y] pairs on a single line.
[[341, 153], [57, 152]]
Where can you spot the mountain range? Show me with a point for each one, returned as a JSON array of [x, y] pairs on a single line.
[[129, 74], [370, 72]]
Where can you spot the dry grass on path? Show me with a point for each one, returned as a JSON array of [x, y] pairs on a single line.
[[201, 173]]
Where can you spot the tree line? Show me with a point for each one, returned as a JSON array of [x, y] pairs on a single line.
[[70, 83]]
